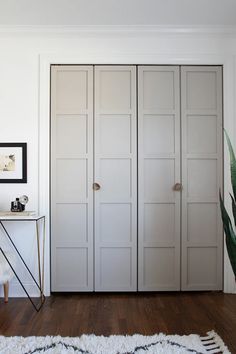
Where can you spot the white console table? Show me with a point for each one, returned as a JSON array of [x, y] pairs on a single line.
[[18, 218]]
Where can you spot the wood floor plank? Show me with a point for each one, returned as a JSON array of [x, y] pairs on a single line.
[[119, 313]]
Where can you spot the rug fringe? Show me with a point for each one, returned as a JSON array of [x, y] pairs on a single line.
[[214, 343]]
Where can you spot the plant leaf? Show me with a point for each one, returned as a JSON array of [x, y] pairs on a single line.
[[232, 164], [233, 208], [230, 236]]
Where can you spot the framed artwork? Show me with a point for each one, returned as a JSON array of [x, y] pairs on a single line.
[[13, 163]]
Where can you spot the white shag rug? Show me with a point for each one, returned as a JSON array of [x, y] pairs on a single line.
[[136, 344]]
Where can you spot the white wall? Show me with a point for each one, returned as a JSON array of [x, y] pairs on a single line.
[[122, 12], [26, 54]]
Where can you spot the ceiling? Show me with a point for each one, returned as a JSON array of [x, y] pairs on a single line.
[[118, 12]]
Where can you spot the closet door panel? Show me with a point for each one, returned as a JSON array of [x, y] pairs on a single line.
[[67, 142], [159, 179], [116, 173], [201, 93], [159, 170], [115, 133], [116, 177], [71, 178], [158, 134]]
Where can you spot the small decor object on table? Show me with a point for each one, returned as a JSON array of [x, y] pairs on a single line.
[[13, 163], [19, 204]]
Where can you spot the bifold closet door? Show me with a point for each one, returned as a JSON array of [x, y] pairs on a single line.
[[202, 236], [116, 173], [94, 178], [159, 171], [72, 178]]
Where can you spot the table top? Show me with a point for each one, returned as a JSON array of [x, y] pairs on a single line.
[[19, 216]]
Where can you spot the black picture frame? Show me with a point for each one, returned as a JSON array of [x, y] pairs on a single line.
[[23, 147]]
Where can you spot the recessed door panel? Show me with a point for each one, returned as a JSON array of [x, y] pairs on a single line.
[[68, 260], [115, 134], [116, 177], [71, 180], [67, 140], [201, 134], [159, 267], [72, 221], [158, 90], [159, 223], [201, 107], [202, 178], [71, 83], [159, 170], [120, 228], [202, 267], [115, 90], [159, 179], [116, 268], [116, 172], [200, 83], [158, 134], [205, 232]]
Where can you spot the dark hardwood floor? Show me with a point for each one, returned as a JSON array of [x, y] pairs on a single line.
[[105, 314]]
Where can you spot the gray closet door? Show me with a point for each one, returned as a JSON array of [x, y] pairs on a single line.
[[116, 173], [72, 178], [159, 171], [106, 154], [201, 109]]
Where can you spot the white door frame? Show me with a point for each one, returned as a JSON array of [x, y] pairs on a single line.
[[45, 60]]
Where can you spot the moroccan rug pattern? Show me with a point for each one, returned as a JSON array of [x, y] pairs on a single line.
[[136, 344]]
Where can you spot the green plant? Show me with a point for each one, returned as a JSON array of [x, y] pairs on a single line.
[[227, 224]]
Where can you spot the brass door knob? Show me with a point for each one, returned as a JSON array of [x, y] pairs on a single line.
[[96, 186], [178, 187]]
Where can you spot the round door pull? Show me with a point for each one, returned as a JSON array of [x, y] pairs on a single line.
[[178, 187], [96, 186]]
